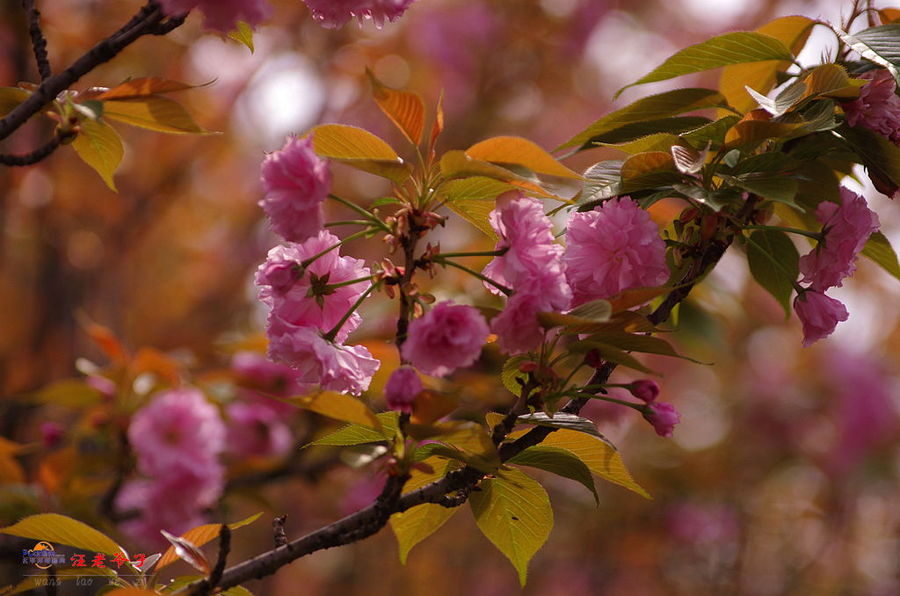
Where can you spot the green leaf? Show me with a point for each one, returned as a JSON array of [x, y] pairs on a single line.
[[153, 112], [639, 342], [354, 434], [519, 151], [557, 461], [100, 147], [714, 132], [654, 107], [10, 98], [513, 511], [611, 353], [878, 248], [236, 591], [561, 420], [784, 101], [595, 310], [774, 263], [687, 159], [637, 130], [602, 181], [510, 375], [880, 156], [243, 33], [201, 535], [360, 149], [770, 186], [879, 45], [55, 528], [600, 456], [731, 48]]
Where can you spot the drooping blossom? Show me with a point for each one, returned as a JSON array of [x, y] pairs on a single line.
[[318, 361], [255, 430], [334, 14], [663, 416], [613, 248], [177, 429], [819, 314], [645, 389], [847, 226], [295, 181], [447, 337], [401, 389], [221, 15], [531, 266], [285, 287], [878, 107]]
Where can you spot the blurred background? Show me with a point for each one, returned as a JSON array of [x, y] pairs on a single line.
[[783, 477]]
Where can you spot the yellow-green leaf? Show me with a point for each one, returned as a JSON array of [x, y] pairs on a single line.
[[201, 535], [473, 188], [243, 33], [831, 80], [457, 164], [354, 434], [359, 148], [599, 455], [338, 406], [10, 97], [519, 151], [60, 529], [750, 132], [153, 112], [879, 249], [405, 109], [648, 170], [415, 525], [558, 461], [100, 147], [476, 213], [142, 87], [513, 511]]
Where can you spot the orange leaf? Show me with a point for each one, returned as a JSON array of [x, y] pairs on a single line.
[[405, 109], [430, 405], [519, 151], [143, 86], [105, 339], [438, 126], [199, 536]]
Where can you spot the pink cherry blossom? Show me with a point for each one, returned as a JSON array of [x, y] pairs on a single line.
[[255, 430], [819, 314], [613, 248], [663, 416], [295, 181], [221, 15], [517, 327], [334, 14], [878, 107], [401, 389], [259, 378], [178, 429], [332, 366], [645, 389], [291, 302], [847, 226], [447, 337]]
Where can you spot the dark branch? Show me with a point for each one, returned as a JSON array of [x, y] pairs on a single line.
[[278, 528], [38, 41], [148, 21], [206, 586], [38, 154]]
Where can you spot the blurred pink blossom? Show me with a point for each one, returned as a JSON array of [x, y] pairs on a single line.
[[847, 227], [259, 378], [52, 434], [819, 314], [878, 107], [613, 248], [221, 15], [255, 430], [663, 416], [292, 304], [295, 181], [334, 14], [447, 337], [401, 389], [332, 366], [703, 525]]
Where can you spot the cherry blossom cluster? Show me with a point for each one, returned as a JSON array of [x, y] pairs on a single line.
[[177, 439], [877, 107], [335, 13], [846, 228]]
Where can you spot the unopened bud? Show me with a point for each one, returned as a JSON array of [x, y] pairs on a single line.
[[645, 389]]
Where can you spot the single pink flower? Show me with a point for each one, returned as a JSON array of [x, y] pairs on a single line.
[[663, 416], [331, 366], [819, 314], [221, 15], [334, 14], [255, 430], [613, 248], [292, 302], [878, 107], [401, 389], [533, 259], [178, 429], [645, 389], [847, 226], [447, 337], [295, 181], [517, 327]]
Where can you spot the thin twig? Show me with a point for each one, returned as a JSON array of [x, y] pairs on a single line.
[[39, 154], [38, 41]]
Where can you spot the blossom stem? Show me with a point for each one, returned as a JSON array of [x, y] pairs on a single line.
[[813, 235], [348, 222], [306, 263], [479, 253], [474, 273], [634, 406], [334, 330], [349, 282], [362, 211]]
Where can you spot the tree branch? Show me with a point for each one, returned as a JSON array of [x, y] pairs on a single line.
[[148, 21], [38, 41], [38, 154]]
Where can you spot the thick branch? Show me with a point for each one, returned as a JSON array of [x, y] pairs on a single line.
[[38, 41], [38, 154], [149, 21]]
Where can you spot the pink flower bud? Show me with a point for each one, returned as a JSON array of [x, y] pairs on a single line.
[[663, 416], [401, 389], [645, 389]]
